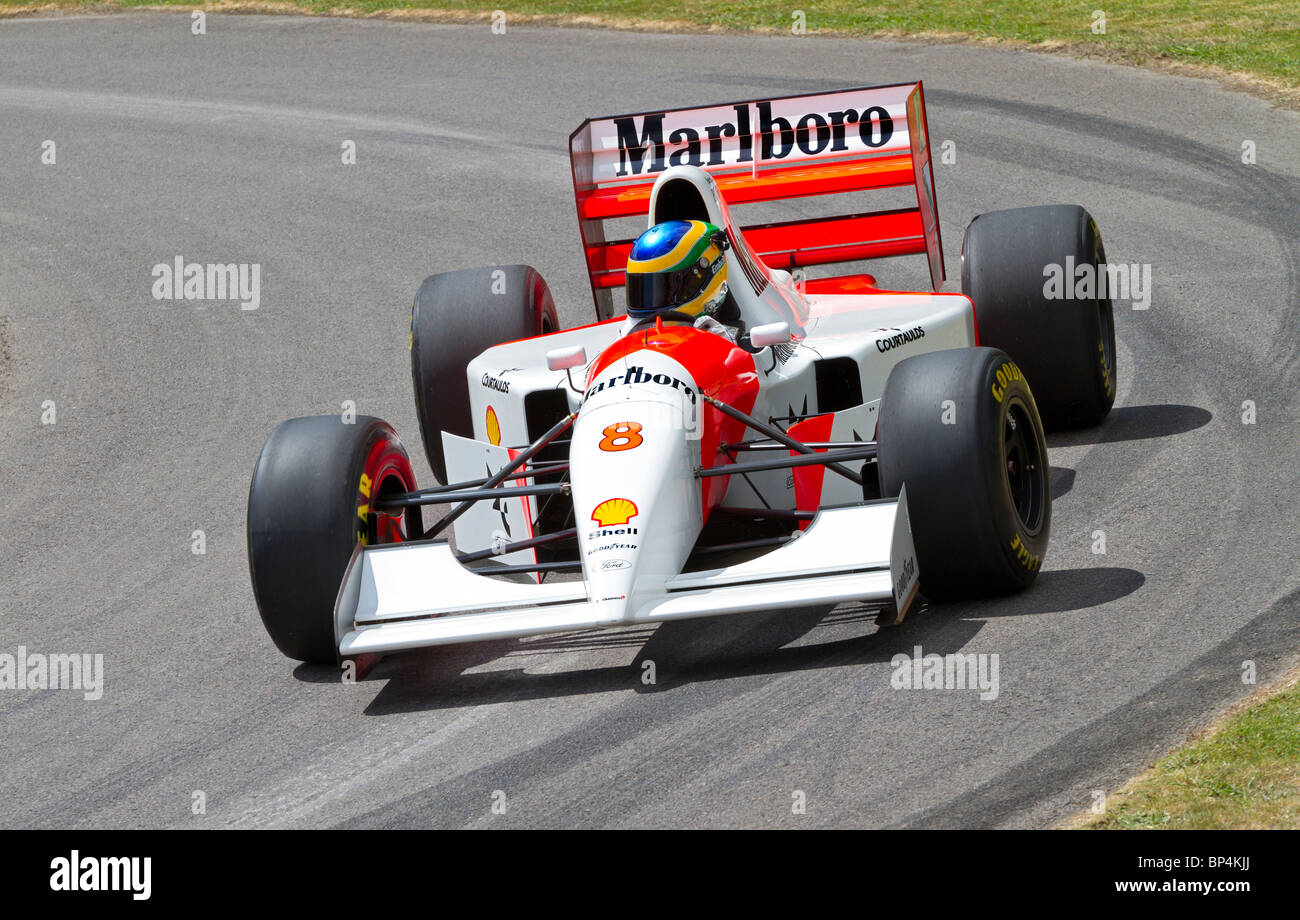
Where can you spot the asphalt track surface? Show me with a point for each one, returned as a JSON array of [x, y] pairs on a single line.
[[226, 148]]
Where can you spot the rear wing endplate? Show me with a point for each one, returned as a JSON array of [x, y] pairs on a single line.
[[851, 140]]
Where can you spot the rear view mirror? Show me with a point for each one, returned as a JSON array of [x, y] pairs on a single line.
[[562, 359], [770, 334]]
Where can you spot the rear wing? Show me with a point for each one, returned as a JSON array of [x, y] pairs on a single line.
[[813, 144]]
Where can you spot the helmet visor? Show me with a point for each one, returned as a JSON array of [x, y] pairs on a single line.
[[654, 292]]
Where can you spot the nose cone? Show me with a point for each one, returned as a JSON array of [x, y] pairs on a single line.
[[612, 535], [635, 496]]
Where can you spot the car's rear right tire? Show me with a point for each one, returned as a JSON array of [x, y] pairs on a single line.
[[456, 317], [961, 430]]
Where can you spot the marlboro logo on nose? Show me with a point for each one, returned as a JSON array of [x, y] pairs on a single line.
[[639, 375], [643, 147]]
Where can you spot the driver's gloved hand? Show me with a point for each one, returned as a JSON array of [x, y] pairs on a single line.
[[709, 324]]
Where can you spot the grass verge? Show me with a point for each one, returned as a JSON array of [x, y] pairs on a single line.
[[1242, 772], [1249, 44]]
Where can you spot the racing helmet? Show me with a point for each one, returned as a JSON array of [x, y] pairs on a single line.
[[677, 265]]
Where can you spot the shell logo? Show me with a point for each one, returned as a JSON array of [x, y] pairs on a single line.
[[614, 511], [493, 427]]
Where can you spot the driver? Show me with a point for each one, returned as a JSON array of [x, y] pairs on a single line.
[[679, 266]]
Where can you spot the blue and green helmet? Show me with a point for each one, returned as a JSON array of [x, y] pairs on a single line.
[[677, 265]]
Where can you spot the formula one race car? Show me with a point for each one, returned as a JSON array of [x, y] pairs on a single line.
[[840, 442]]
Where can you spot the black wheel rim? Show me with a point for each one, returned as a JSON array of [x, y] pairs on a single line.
[[1022, 466]]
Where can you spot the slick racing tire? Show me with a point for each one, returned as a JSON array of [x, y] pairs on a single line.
[[1021, 270], [960, 428], [456, 317], [309, 504]]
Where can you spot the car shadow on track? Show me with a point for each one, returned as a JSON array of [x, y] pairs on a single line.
[[1136, 423], [1060, 591], [1062, 481], [723, 648]]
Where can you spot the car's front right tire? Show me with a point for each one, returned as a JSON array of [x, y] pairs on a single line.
[[311, 500]]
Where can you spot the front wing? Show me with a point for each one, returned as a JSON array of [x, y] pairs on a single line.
[[411, 595]]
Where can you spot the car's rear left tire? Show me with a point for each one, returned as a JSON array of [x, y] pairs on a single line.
[[310, 502], [960, 428], [1019, 268]]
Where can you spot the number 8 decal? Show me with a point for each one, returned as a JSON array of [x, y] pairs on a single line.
[[621, 436]]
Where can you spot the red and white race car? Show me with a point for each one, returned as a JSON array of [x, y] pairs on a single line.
[[854, 444]]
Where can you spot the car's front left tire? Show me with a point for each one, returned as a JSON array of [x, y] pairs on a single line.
[[960, 429]]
